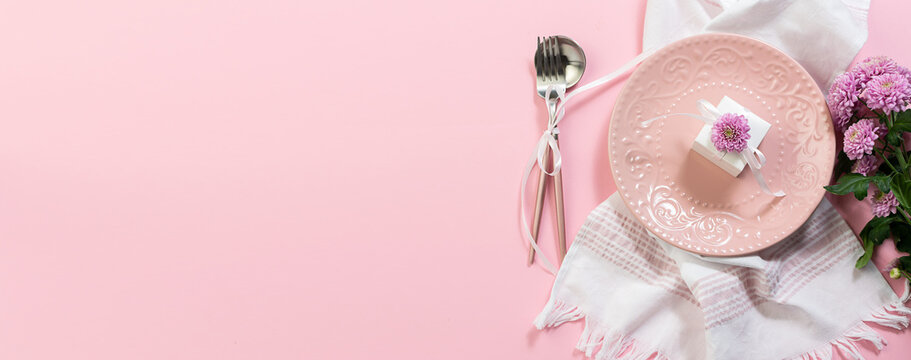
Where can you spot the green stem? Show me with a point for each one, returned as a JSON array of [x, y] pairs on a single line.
[[886, 160], [900, 153], [901, 160], [880, 115]]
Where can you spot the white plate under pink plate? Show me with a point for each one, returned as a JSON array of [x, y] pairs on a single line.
[[682, 197]]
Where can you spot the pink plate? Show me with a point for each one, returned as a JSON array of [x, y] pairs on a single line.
[[682, 197]]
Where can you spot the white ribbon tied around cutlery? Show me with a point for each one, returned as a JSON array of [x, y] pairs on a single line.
[[752, 156], [548, 142]]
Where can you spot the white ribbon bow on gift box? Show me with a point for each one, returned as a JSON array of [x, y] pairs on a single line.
[[751, 155]]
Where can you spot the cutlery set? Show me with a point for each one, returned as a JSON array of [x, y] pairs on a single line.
[[559, 64]]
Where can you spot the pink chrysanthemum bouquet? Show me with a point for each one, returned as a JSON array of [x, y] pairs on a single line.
[[870, 105]]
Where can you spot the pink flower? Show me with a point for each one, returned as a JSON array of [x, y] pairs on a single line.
[[903, 71], [866, 165], [874, 66], [842, 99], [880, 129], [730, 132], [884, 204], [860, 138], [888, 93]]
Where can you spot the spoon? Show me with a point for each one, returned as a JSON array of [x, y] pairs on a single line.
[[572, 58]]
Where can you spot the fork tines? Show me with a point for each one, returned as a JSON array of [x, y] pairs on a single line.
[[558, 57], [551, 67]]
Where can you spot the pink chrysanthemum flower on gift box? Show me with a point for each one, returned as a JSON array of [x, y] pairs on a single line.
[[866, 166], [888, 93], [730, 133], [884, 204], [842, 99], [860, 138], [875, 66]]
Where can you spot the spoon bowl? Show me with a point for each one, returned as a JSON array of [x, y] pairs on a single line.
[[573, 59]]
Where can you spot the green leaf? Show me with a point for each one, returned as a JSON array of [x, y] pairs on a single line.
[[904, 263], [877, 230], [903, 246], [901, 187], [882, 182], [901, 123], [865, 258], [901, 234], [902, 120], [894, 137], [900, 229], [842, 164], [884, 168], [851, 183]]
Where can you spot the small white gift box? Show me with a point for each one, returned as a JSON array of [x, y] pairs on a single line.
[[732, 163]]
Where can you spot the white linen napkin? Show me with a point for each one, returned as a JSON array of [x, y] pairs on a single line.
[[642, 298], [822, 35], [801, 298]]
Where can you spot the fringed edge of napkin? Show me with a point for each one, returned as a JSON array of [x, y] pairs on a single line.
[[895, 315], [612, 344]]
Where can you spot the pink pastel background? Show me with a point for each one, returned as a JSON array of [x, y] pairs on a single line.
[[295, 180]]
